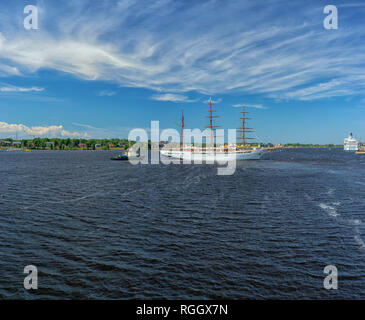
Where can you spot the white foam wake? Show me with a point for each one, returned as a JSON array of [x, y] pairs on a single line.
[[331, 210]]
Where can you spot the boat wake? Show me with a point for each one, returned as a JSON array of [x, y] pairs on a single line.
[[330, 209]]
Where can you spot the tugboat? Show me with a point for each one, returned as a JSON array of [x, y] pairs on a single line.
[[121, 157], [125, 157]]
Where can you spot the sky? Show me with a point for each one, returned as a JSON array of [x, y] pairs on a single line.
[[98, 69]]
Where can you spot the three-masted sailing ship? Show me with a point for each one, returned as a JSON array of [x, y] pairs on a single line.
[[213, 152]]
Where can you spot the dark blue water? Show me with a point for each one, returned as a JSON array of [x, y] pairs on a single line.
[[97, 228]]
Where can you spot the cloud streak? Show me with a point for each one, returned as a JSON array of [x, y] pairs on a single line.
[[256, 106], [148, 44], [20, 89], [170, 97]]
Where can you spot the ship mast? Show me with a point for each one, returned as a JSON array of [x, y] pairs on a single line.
[[211, 126], [243, 129], [182, 128]]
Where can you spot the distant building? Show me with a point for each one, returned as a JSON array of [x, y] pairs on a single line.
[[49, 144], [82, 146], [5, 143], [111, 145], [98, 145], [17, 144]]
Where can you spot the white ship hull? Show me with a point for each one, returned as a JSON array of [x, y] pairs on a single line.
[[199, 156], [351, 148]]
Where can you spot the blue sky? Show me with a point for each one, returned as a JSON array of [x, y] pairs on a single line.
[[100, 68]]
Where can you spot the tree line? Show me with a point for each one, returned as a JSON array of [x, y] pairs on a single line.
[[72, 144], [107, 144]]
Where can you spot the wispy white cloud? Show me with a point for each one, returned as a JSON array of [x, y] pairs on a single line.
[[170, 97], [256, 106], [83, 125], [332, 88], [111, 132], [351, 5], [39, 131], [20, 89], [6, 70], [148, 44]]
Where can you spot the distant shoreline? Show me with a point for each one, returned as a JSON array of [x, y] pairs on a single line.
[[75, 149], [115, 144], [125, 150]]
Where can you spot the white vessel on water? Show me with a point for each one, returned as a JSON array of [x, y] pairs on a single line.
[[206, 155], [351, 144], [211, 154]]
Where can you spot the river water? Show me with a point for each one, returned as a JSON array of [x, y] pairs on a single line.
[[101, 229]]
